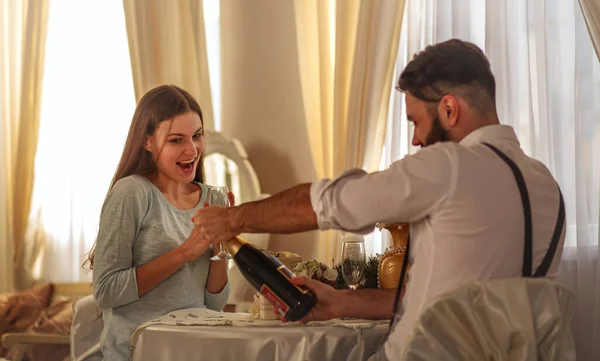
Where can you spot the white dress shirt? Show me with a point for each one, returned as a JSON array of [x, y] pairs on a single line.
[[465, 214]]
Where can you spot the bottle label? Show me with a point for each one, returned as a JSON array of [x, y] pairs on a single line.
[[278, 305]]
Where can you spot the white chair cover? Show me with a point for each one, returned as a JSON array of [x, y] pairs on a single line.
[[86, 330], [517, 319]]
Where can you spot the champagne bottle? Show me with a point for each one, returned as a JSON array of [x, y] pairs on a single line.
[[272, 279]]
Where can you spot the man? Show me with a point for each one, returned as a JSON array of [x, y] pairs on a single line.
[[461, 199]]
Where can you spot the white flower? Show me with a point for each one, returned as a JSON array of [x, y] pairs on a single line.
[[255, 307], [330, 275], [311, 269], [303, 272]]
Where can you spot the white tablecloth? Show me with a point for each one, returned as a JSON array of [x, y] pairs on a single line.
[[238, 337]]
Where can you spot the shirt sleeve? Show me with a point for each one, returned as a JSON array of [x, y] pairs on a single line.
[[405, 192], [114, 278], [217, 301]]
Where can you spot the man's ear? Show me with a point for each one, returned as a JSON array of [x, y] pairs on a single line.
[[449, 110]]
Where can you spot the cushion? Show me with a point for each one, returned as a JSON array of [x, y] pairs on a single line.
[[55, 319], [20, 310]]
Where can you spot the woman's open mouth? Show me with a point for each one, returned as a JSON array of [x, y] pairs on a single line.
[[186, 166]]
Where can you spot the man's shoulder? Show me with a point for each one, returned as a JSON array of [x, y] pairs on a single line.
[[481, 152], [437, 150], [455, 155]]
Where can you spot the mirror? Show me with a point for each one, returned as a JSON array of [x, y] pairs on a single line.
[[226, 164], [222, 171]]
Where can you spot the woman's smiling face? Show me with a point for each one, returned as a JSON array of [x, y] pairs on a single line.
[[177, 146]]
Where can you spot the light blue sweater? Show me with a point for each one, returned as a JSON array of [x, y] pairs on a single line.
[[137, 225]]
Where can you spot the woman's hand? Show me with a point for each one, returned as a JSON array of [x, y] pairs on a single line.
[[194, 246]]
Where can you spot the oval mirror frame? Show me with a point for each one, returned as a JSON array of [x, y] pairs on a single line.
[[234, 150]]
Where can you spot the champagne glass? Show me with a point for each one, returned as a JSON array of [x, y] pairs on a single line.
[[219, 196], [353, 260]]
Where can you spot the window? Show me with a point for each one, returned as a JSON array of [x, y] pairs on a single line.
[[212, 29], [87, 105], [547, 84]]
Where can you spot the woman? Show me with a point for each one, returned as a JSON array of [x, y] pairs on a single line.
[[148, 259]]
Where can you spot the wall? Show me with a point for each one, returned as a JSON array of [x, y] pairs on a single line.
[[262, 100]]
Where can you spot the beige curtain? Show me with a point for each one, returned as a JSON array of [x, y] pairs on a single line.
[[591, 13], [167, 46], [347, 51], [23, 35]]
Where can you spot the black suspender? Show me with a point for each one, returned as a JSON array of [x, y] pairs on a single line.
[[527, 270], [528, 252]]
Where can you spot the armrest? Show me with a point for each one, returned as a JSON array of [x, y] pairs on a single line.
[[12, 339]]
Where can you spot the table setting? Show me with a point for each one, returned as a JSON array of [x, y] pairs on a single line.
[[204, 334]]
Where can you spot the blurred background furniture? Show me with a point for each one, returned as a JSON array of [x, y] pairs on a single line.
[[48, 338]]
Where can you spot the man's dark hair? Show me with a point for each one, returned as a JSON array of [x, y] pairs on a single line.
[[452, 67]]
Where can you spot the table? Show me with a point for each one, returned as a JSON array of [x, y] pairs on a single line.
[[238, 337]]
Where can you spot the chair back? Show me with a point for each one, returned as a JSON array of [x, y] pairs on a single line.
[[86, 330], [517, 319]]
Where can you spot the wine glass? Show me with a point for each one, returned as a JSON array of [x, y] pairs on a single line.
[[219, 196], [353, 260]]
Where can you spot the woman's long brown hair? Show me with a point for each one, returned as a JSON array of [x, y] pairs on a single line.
[[162, 103]]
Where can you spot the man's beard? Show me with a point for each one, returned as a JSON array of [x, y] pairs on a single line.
[[438, 133]]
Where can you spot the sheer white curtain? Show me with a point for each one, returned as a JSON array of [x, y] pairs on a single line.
[[548, 89], [212, 30], [87, 105]]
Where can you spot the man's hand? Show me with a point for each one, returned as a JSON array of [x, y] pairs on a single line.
[[329, 300], [212, 222]]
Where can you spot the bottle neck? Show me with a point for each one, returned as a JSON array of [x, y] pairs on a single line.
[[234, 244]]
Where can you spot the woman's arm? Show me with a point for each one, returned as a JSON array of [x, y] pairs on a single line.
[[217, 274], [154, 272], [217, 291], [116, 281]]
